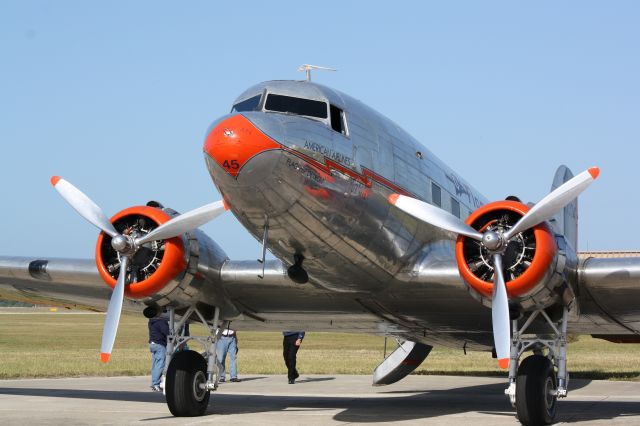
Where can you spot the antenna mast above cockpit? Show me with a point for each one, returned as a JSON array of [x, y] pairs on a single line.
[[307, 68]]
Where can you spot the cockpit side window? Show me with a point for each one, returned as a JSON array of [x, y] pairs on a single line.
[[250, 104], [298, 106], [338, 122], [436, 195]]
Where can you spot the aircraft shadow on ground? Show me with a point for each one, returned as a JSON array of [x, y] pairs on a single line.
[[583, 375], [117, 395], [421, 403], [250, 379], [315, 379]]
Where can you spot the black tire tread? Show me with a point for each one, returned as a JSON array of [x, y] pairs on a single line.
[[179, 378], [530, 403]]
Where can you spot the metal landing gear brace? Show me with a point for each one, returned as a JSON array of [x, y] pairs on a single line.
[[536, 384], [190, 375]]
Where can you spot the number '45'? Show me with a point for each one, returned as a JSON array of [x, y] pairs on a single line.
[[233, 164]]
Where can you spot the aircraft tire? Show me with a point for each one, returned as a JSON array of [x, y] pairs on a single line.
[[534, 403], [185, 398]]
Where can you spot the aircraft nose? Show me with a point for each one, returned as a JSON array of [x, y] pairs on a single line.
[[236, 140]]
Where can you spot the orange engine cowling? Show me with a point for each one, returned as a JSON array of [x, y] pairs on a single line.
[[529, 259], [154, 265]]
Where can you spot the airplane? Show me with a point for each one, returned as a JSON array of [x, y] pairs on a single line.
[[371, 232]]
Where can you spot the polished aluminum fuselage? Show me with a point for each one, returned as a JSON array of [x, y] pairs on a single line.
[[350, 237], [352, 240]]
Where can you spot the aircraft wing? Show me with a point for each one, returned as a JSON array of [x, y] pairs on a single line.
[[72, 283], [609, 288], [269, 303], [609, 284]]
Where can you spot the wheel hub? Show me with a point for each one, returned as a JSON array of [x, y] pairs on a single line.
[[550, 394], [199, 386]]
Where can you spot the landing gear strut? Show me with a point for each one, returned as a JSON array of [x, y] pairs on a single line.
[[190, 376], [536, 384]]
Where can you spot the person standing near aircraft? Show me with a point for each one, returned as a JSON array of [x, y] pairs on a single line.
[[290, 344], [228, 343], [158, 332]]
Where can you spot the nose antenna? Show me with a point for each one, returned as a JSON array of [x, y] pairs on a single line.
[[307, 68]]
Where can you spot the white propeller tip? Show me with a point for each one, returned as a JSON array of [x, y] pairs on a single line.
[[594, 172], [55, 180], [104, 357], [503, 363]]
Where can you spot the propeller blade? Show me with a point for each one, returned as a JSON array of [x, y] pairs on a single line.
[[185, 222], [113, 312], [433, 215], [552, 203], [500, 315], [83, 205]]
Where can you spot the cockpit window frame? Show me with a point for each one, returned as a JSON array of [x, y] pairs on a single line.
[[343, 120], [262, 107], [325, 120], [258, 106]]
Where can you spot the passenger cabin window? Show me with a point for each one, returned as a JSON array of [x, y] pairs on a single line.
[[338, 123], [250, 104], [455, 207], [298, 106], [436, 195]]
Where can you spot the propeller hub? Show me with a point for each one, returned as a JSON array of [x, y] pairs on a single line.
[[121, 244], [492, 240]]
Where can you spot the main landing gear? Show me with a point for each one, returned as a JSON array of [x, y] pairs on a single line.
[[190, 376], [536, 384]]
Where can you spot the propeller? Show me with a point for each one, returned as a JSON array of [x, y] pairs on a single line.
[[496, 243], [127, 246], [187, 221], [113, 312]]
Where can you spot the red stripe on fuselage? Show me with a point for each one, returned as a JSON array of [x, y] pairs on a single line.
[[364, 178], [385, 182]]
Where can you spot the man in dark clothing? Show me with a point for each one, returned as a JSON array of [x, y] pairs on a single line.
[[290, 345], [158, 332]]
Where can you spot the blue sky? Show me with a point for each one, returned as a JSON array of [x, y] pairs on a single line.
[[117, 96]]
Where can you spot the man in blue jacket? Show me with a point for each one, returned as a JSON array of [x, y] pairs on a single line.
[[290, 345], [158, 332]]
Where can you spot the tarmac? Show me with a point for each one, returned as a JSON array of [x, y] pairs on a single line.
[[314, 399]]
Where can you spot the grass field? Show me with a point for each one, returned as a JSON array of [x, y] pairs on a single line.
[[59, 344]]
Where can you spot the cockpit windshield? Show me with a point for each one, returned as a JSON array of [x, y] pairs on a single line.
[[298, 106], [250, 104]]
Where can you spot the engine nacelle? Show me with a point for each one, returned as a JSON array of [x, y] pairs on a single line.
[[530, 260], [165, 272]]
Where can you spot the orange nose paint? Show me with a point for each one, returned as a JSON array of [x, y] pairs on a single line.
[[236, 140]]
